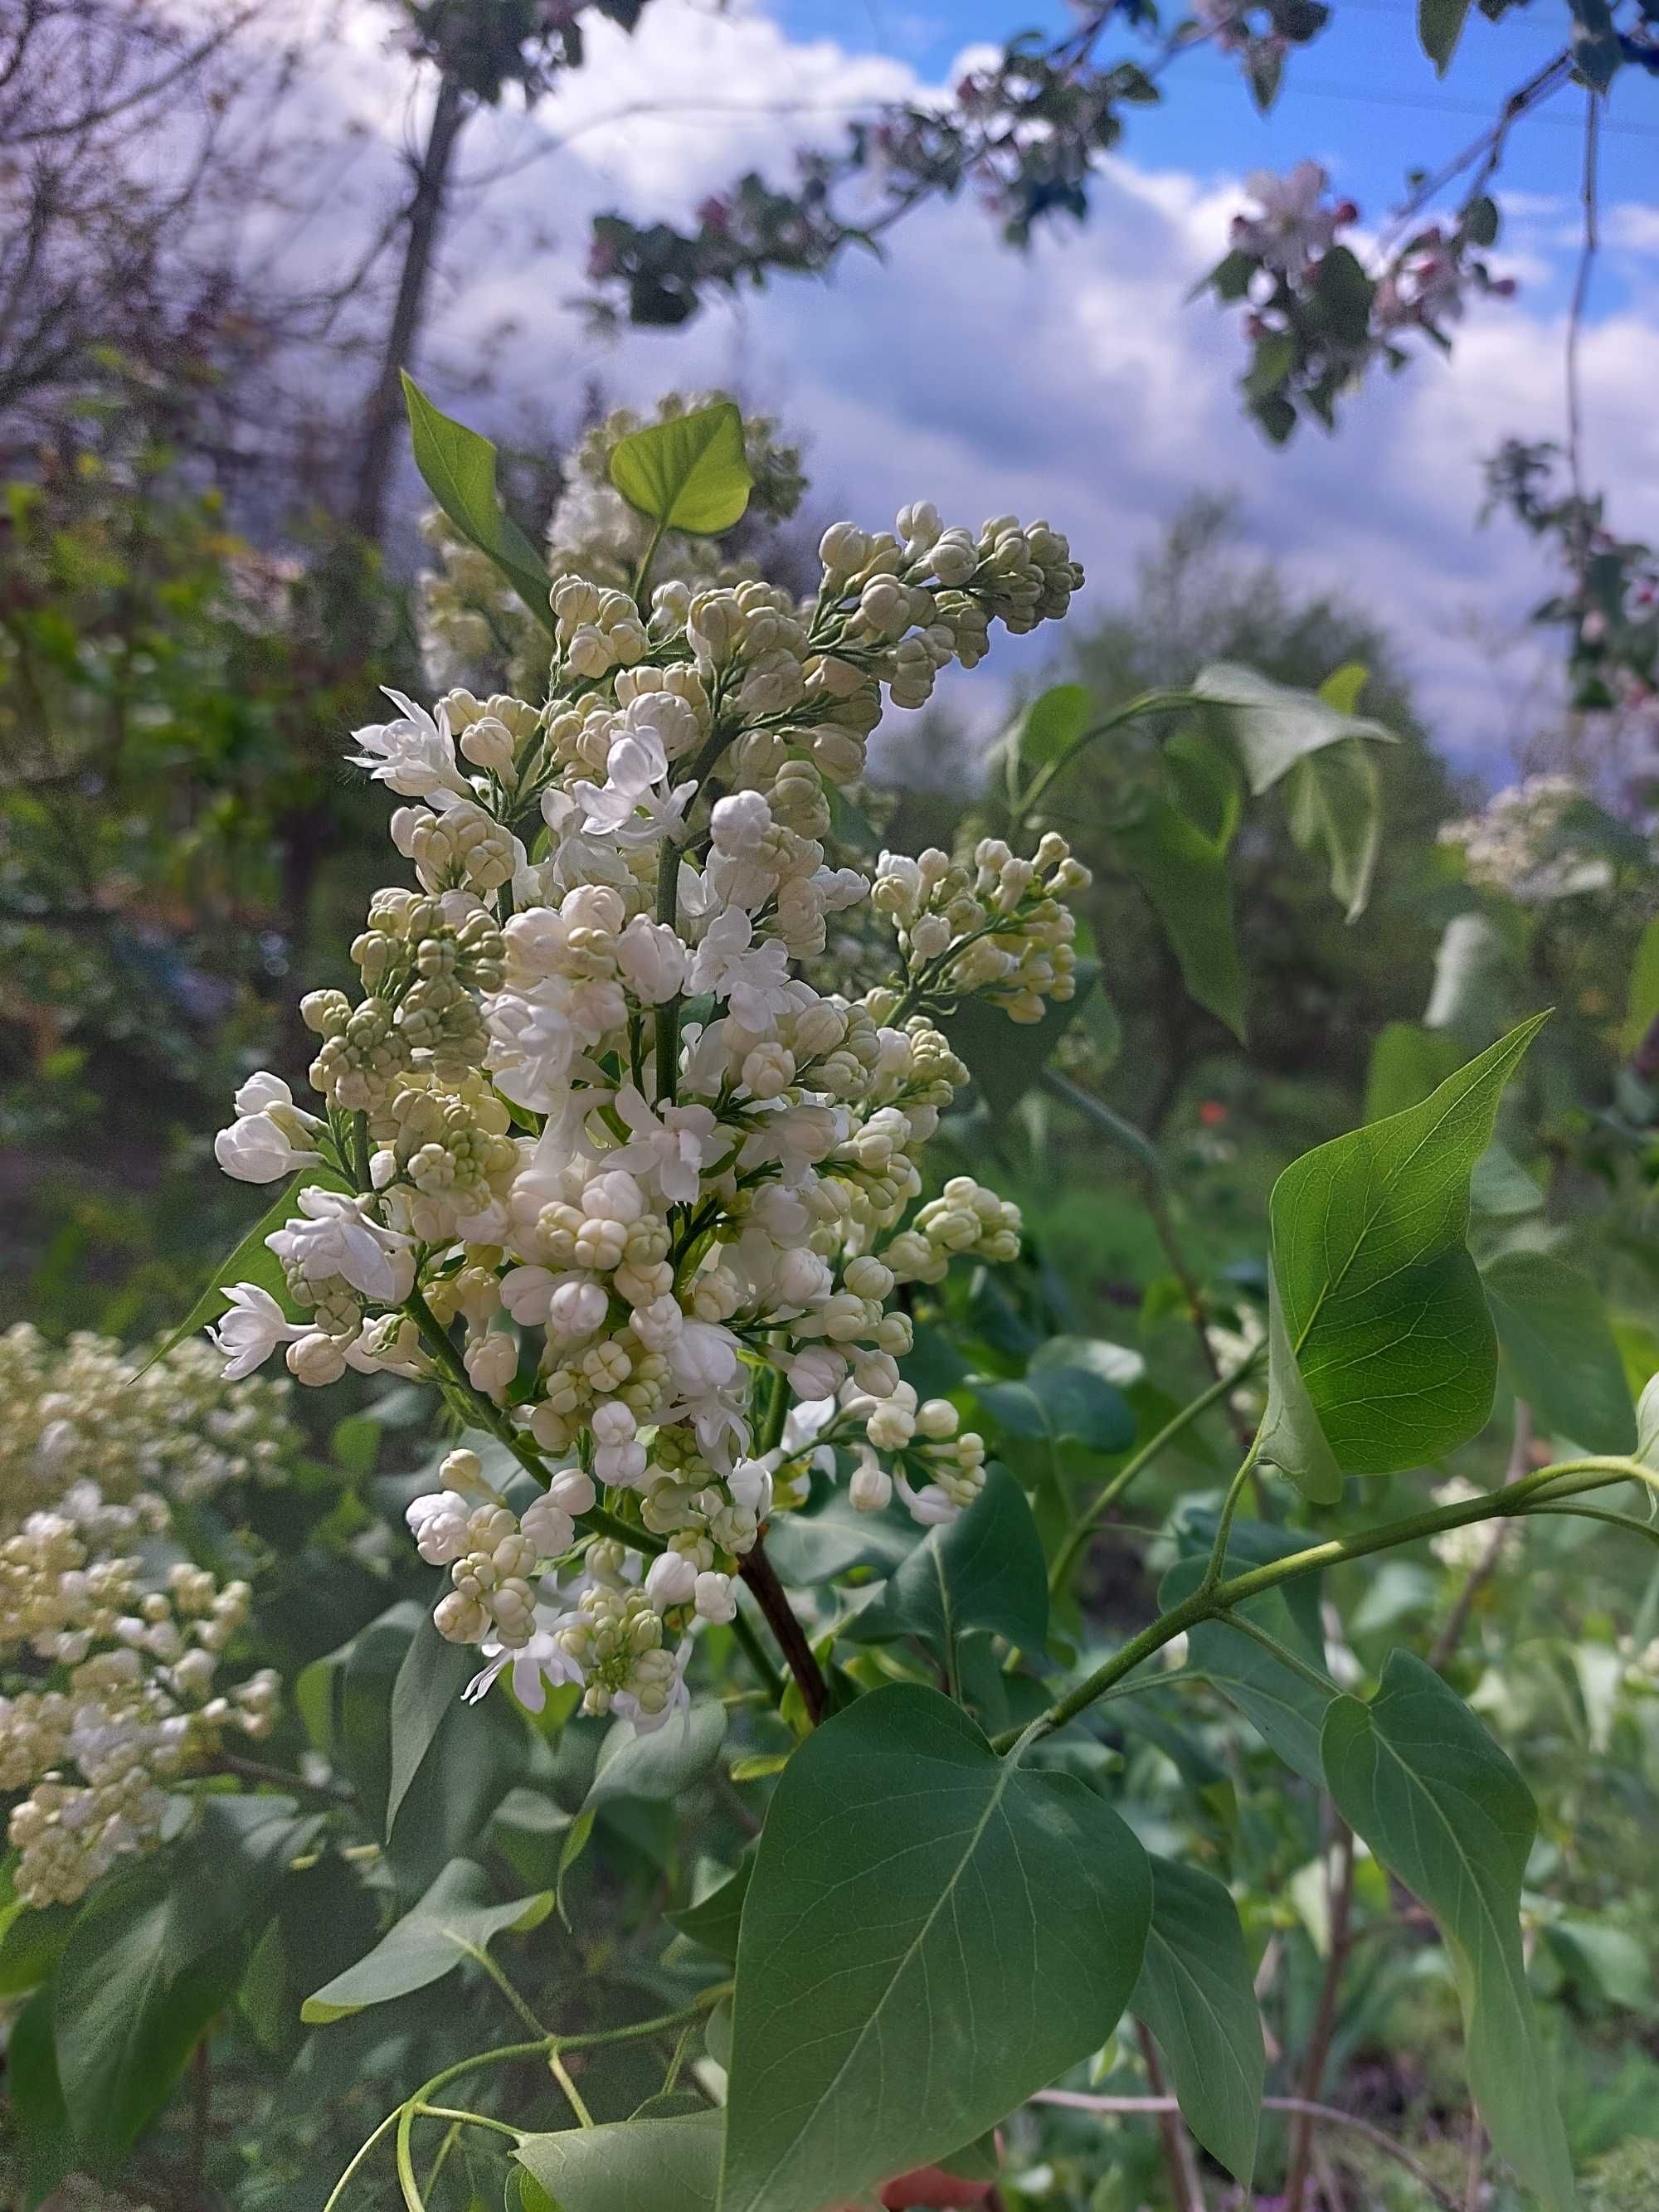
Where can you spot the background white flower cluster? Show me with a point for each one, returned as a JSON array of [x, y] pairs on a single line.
[[100, 1605]]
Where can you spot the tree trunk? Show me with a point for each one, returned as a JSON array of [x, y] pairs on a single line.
[[384, 412]]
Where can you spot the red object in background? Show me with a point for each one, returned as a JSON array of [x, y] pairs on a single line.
[[927, 2185], [930, 2185], [1213, 1113]]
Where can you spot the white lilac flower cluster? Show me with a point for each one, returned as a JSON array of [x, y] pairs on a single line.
[[87, 1411], [595, 1155], [1520, 842], [470, 619], [110, 1640]]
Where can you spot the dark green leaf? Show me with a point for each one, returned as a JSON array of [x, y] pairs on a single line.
[[903, 1903], [460, 470], [1480, 221], [1006, 1058], [1196, 1994], [1285, 1709], [1184, 874], [807, 1548], [1057, 1402], [1560, 1350], [1382, 1304], [983, 1570], [1046, 731], [1344, 294], [429, 1685], [1416, 1775], [629, 2165], [714, 1920], [1203, 772], [156, 1955], [430, 1940], [688, 472], [1439, 27], [38, 2112]]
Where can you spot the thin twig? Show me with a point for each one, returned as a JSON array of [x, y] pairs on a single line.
[[1338, 1901], [1187, 2188], [1330, 2115], [761, 1577], [1589, 190]]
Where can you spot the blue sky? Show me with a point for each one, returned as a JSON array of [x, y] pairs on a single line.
[[1363, 98]]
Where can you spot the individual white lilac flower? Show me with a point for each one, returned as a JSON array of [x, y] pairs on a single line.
[[930, 1506], [255, 1149], [671, 1579], [336, 1235], [872, 1487], [702, 1357], [262, 1090], [716, 1597], [634, 804], [651, 956], [753, 978], [541, 1663], [438, 1522], [413, 756], [533, 1044], [251, 1330], [669, 1146]]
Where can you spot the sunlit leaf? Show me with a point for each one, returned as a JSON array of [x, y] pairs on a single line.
[[688, 472], [1382, 1305], [1275, 726], [460, 470]]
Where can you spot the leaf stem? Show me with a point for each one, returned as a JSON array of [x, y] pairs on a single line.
[[642, 574], [1562, 1481], [1217, 1567], [560, 2072]]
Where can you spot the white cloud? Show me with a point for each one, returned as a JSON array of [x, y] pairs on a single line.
[[1074, 382]]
